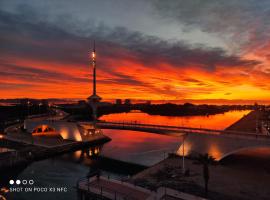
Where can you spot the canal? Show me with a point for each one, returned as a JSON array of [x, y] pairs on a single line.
[[218, 121], [135, 147]]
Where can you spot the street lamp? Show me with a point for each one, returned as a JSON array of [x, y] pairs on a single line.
[[183, 153], [28, 103], [183, 157], [40, 104]]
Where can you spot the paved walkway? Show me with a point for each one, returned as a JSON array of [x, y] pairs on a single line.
[[170, 198], [118, 189]]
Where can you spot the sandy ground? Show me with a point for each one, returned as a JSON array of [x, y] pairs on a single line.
[[233, 179]]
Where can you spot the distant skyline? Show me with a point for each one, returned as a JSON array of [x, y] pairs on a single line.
[[156, 50]]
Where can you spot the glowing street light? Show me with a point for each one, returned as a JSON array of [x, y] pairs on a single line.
[[28, 104], [40, 104]]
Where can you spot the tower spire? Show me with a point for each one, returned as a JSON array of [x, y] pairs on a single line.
[[94, 99], [94, 68]]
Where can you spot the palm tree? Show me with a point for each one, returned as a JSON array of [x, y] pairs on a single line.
[[205, 160]]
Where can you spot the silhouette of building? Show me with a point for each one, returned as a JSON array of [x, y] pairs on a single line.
[[148, 102], [127, 102], [82, 102], [33, 102], [118, 101]]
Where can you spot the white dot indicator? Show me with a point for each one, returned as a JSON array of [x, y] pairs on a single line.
[[18, 182], [11, 182]]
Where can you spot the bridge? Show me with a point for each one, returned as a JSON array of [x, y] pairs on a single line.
[[217, 143]]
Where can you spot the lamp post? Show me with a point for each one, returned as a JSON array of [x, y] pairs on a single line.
[[28, 104], [183, 157], [40, 104]]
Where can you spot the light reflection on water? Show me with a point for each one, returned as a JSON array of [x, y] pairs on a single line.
[[131, 146], [218, 121], [139, 147]]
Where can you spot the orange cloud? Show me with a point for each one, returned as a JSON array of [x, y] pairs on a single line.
[[46, 62]]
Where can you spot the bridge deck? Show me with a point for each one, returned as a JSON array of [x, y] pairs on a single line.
[[178, 129]]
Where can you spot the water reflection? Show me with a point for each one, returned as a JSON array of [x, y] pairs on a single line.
[[218, 121], [6, 175], [139, 147], [92, 152], [129, 146]]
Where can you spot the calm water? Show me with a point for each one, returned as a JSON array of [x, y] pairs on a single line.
[[63, 171], [218, 121], [131, 146], [139, 147]]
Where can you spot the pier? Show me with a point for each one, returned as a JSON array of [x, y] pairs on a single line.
[[37, 148], [29, 146]]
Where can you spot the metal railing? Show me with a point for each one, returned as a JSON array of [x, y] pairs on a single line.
[[88, 185], [137, 126]]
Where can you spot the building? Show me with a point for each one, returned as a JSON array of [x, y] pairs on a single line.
[[81, 102], [67, 130], [127, 102], [118, 101]]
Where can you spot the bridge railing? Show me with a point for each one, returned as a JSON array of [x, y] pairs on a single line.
[[179, 128], [156, 126]]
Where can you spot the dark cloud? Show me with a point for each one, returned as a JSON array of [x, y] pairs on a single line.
[[32, 40], [245, 22], [192, 80], [37, 75], [11, 86], [45, 42]]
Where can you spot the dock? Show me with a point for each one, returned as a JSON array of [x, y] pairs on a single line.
[[40, 148], [106, 188], [22, 147]]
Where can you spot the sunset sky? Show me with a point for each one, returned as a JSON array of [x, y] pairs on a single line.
[[154, 49]]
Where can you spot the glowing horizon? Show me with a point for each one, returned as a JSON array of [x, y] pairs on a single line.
[[48, 56]]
